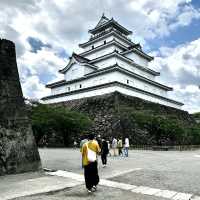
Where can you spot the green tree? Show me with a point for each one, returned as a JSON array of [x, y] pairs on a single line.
[[49, 121]]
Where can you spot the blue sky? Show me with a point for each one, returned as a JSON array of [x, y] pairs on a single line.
[[46, 32]]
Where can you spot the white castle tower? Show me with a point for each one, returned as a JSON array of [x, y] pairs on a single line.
[[110, 62]]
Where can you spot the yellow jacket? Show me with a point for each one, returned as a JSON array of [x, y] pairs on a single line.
[[94, 146]]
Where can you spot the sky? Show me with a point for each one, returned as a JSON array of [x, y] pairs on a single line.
[[46, 32]]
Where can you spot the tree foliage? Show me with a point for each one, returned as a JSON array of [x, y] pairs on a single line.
[[168, 130], [51, 122]]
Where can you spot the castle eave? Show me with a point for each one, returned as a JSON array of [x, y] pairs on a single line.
[[107, 34], [55, 84], [113, 42], [106, 70], [125, 59], [115, 83], [140, 52]]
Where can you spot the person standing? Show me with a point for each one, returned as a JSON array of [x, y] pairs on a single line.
[[120, 145], [126, 146], [104, 152], [75, 144], [99, 140], [108, 147], [114, 146], [89, 153], [83, 141]]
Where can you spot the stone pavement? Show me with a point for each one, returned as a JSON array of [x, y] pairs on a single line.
[[144, 175], [173, 195], [13, 186]]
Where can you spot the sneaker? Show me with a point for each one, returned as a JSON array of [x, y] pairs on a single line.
[[94, 188], [104, 166], [89, 191]]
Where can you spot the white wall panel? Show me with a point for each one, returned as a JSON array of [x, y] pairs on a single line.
[[137, 59]]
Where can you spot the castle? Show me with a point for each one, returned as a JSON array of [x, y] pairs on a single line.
[[110, 62]]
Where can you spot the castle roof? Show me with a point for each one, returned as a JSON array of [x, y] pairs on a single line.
[[137, 49], [79, 59], [112, 68], [122, 57], [102, 46], [105, 23], [102, 21], [105, 35]]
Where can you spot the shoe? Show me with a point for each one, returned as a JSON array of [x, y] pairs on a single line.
[[94, 188], [89, 191], [104, 166]]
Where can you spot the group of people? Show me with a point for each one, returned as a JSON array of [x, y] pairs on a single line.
[[92, 146], [119, 148]]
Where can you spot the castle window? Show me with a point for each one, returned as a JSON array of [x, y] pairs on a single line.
[[80, 86], [68, 89], [92, 46], [105, 42], [127, 81]]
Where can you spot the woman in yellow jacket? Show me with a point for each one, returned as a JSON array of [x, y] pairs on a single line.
[[90, 167]]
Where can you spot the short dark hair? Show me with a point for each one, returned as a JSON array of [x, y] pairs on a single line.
[[91, 136]]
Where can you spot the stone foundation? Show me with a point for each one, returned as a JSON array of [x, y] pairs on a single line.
[[111, 116]]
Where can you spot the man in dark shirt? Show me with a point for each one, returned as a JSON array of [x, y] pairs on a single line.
[[104, 152]]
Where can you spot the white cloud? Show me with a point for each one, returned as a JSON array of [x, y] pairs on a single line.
[[180, 67], [36, 69], [33, 88], [44, 62]]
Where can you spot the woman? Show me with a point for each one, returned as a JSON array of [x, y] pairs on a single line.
[[89, 151]]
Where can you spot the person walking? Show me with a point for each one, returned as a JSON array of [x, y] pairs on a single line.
[[104, 152], [114, 146], [120, 146], [126, 146], [89, 153]]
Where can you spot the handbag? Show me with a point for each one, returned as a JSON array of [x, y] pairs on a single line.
[[91, 155]]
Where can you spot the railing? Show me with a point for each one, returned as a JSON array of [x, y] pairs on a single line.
[[164, 147]]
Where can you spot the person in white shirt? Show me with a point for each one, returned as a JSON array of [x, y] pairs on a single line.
[[114, 146], [126, 146]]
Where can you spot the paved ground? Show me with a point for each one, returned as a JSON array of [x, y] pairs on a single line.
[[167, 170], [148, 171], [172, 170], [103, 193]]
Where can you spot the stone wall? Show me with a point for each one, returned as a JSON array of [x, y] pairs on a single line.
[[111, 114], [18, 151]]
